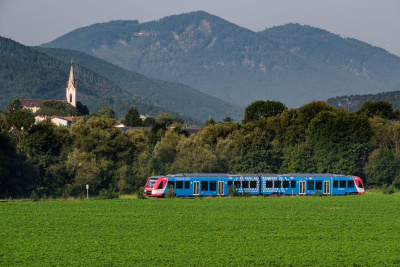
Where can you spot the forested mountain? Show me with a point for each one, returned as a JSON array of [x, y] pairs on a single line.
[[177, 97], [354, 102], [292, 63], [27, 73]]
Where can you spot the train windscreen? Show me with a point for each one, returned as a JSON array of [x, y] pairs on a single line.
[[152, 182]]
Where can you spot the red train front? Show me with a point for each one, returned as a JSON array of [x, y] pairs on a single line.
[[155, 186]]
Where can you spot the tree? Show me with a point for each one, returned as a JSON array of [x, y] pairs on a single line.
[[339, 140], [106, 112], [56, 108], [20, 121], [14, 105], [382, 109], [132, 118], [82, 109], [263, 109]]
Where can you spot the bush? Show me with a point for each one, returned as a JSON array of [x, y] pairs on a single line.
[[108, 194], [231, 191], [317, 193], [170, 193], [140, 193], [388, 190], [34, 196]]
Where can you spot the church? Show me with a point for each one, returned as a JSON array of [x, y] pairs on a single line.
[[34, 104]]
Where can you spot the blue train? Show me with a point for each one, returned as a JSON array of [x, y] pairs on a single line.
[[219, 184]]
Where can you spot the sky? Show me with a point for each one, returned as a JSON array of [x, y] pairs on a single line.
[[34, 22]]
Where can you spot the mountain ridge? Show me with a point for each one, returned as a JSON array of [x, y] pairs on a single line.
[[239, 65]]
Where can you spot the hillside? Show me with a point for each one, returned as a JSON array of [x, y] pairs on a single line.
[[177, 97], [294, 64], [27, 73], [354, 102]]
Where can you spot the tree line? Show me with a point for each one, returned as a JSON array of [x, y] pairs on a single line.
[[315, 138]]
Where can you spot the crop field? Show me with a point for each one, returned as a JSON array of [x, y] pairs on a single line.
[[299, 231]]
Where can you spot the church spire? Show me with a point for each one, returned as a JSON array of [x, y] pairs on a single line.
[[71, 87]]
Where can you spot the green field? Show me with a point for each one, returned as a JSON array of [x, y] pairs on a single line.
[[300, 231]]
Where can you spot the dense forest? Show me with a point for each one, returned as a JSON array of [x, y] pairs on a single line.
[[315, 138]]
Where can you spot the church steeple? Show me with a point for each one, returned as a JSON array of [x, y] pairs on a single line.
[[71, 87]]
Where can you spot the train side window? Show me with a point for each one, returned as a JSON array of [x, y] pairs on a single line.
[[342, 184], [245, 184], [171, 184], [350, 183], [237, 184], [253, 184], [277, 184], [213, 186], [179, 184], [161, 185], [285, 184], [310, 185], [318, 185], [335, 184], [293, 184], [187, 184], [268, 184], [204, 185]]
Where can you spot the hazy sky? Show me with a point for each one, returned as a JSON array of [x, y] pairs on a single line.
[[33, 22]]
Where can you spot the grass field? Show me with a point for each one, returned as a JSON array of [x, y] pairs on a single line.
[[299, 231]]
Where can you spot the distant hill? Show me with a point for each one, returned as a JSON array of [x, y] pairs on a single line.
[[292, 63], [354, 102], [27, 73], [177, 97]]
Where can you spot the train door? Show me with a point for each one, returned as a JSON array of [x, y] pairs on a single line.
[[196, 188], [302, 187], [221, 188], [327, 187]]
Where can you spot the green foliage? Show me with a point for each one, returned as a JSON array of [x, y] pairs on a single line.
[[140, 193], [317, 193], [132, 118], [263, 109], [56, 108], [382, 167], [108, 194], [377, 108], [388, 190], [106, 113], [170, 193], [34, 196]]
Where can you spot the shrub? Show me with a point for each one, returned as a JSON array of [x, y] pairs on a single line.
[[34, 196], [388, 190], [108, 194], [170, 193], [317, 193], [140, 193], [231, 191]]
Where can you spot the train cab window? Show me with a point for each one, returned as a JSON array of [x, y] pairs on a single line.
[[277, 184], [253, 184], [161, 185], [293, 184], [359, 184], [310, 185], [237, 184], [268, 184], [318, 185], [171, 184], [245, 184], [335, 184], [350, 184], [204, 185], [213, 186], [179, 184], [187, 184], [285, 184], [342, 183]]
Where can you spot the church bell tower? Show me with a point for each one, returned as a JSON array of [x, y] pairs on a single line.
[[71, 88]]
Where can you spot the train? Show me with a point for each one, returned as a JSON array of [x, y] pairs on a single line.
[[222, 184]]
